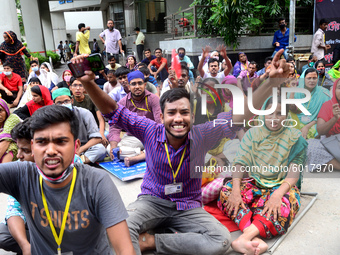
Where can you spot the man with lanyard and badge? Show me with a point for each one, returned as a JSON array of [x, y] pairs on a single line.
[[144, 103], [246, 77], [171, 190], [93, 204]]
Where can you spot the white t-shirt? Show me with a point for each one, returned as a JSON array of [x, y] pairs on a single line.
[[220, 76]]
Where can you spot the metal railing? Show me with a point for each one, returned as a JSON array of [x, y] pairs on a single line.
[[183, 24]]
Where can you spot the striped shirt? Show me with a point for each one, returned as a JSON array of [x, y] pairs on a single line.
[[158, 173]]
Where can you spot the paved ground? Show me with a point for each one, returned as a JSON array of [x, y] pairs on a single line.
[[317, 233]]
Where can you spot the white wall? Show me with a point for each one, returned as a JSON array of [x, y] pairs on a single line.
[[92, 19]]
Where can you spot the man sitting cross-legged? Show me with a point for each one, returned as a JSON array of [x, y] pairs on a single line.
[[170, 197], [142, 102]]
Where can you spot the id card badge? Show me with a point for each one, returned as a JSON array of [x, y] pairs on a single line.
[[65, 253], [173, 188], [305, 119]]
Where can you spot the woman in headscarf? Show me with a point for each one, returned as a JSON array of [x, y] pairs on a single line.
[[131, 63], [324, 78], [65, 83], [241, 64], [11, 50], [319, 95], [8, 147], [41, 96], [328, 124], [48, 78], [267, 202]]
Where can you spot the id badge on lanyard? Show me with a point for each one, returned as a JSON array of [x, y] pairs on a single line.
[[173, 188]]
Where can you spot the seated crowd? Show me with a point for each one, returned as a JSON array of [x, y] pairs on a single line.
[[164, 114]]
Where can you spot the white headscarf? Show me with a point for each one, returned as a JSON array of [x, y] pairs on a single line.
[[47, 78]]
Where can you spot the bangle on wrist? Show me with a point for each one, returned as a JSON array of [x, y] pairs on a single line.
[[290, 186]]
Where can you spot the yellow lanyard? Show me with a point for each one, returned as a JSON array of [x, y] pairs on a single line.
[[323, 79], [248, 78], [146, 102], [180, 163], [245, 66], [59, 239]]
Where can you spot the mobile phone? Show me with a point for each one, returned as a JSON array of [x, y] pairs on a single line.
[[93, 62]]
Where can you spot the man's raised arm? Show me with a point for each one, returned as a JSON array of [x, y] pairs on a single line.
[[103, 101]]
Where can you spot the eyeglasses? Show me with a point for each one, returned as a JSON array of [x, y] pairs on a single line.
[[67, 101], [77, 85], [122, 77], [139, 83]]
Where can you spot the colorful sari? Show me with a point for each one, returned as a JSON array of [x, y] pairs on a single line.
[[238, 67], [319, 95], [261, 147], [5, 131]]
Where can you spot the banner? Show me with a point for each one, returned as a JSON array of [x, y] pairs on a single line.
[[329, 9]]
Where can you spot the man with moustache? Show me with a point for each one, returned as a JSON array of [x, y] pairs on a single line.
[[170, 197], [113, 41], [93, 205], [213, 64], [142, 102]]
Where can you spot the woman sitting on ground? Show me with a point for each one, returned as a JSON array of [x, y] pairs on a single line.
[[131, 63], [28, 95], [8, 147], [324, 78], [319, 95], [48, 78], [266, 203], [241, 64], [41, 96], [328, 124], [65, 83]]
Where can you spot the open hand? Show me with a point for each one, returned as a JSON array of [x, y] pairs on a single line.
[[206, 51], [233, 203], [272, 206]]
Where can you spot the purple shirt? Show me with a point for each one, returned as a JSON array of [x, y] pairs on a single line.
[[158, 173], [246, 79], [111, 40], [153, 114]]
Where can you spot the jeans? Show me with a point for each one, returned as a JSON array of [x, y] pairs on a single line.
[[193, 231], [163, 75], [285, 53]]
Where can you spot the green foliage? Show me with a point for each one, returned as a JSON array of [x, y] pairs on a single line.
[[55, 58], [230, 18], [21, 23]]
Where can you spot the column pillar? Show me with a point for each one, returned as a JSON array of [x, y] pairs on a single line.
[[9, 18], [59, 27]]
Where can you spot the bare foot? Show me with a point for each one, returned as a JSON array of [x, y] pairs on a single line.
[[146, 242], [129, 161], [245, 246], [263, 246]]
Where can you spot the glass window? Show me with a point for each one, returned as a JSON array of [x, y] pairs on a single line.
[[153, 20], [117, 14]]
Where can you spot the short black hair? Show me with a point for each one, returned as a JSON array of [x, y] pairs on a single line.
[[173, 95], [81, 25], [111, 72], [7, 64], [36, 89], [147, 50], [184, 66], [311, 57], [290, 59], [94, 39], [181, 48], [212, 60], [110, 20], [137, 29], [268, 59], [72, 80], [281, 18], [144, 70], [158, 49], [61, 42], [142, 65], [22, 130], [66, 41], [35, 79], [122, 71], [111, 57], [34, 61], [323, 21], [254, 63], [54, 114]]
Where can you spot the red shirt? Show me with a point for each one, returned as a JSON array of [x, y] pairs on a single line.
[[13, 83], [158, 64]]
